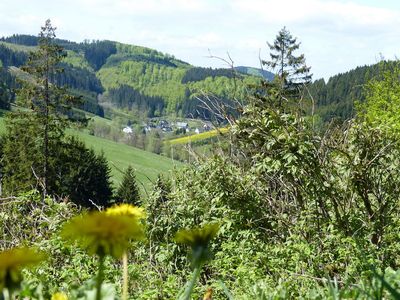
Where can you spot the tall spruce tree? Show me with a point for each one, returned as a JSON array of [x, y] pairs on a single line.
[[47, 102], [36, 153], [291, 71]]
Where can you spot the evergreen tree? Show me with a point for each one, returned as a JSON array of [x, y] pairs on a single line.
[[5, 92], [291, 71], [128, 190], [82, 175], [44, 99], [48, 102], [36, 153]]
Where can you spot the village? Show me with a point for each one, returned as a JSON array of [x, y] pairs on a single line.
[[193, 126]]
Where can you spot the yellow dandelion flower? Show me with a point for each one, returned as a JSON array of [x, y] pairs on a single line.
[[13, 261], [136, 213], [59, 296], [127, 210], [198, 239], [102, 233], [200, 236]]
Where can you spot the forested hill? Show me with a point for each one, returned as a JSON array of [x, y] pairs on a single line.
[[335, 98], [152, 83], [128, 77]]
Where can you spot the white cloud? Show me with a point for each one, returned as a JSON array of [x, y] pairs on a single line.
[[292, 11], [142, 8], [335, 34]]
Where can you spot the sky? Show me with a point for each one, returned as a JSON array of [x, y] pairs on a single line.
[[335, 35]]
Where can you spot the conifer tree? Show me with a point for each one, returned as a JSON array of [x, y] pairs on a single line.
[[35, 130], [48, 104], [291, 71], [128, 190]]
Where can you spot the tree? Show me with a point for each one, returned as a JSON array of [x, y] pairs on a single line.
[[5, 91], [48, 103], [82, 175], [382, 99], [36, 152], [291, 71], [128, 191]]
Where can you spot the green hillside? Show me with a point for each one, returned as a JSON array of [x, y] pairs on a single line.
[[335, 97], [98, 67], [147, 165], [119, 156]]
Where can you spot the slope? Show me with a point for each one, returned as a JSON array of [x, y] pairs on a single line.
[[335, 98], [146, 164], [159, 83]]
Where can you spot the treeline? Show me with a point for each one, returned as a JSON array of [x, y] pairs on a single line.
[[335, 99], [9, 57], [160, 83], [97, 52], [198, 74], [6, 93], [33, 41], [161, 60], [127, 97], [78, 78], [21, 39], [204, 107]]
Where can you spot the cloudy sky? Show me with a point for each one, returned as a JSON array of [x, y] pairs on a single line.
[[335, 35]]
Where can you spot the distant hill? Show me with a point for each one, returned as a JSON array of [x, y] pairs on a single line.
[[256, 72], [335, 98], [130, 77], [154, 84]]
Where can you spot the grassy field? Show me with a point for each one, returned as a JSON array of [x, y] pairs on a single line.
[[147, 165], [197, 137]]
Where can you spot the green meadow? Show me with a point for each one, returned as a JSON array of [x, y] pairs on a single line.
[[146, 164]]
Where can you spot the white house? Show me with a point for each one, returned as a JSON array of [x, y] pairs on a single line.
[[182, 125], [127, 130]]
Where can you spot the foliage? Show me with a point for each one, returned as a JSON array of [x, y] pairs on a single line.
[[12, 262], [199, 74], [148, 81], [75, 171], [26, 220], [82, 175], [127, 97], [302, 213], [382, 100], [48, 102], [35, 152], [335, 98], [6, 93], [8, 57], [78, 78], [256, 72], [97, 52], [22, 39]]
